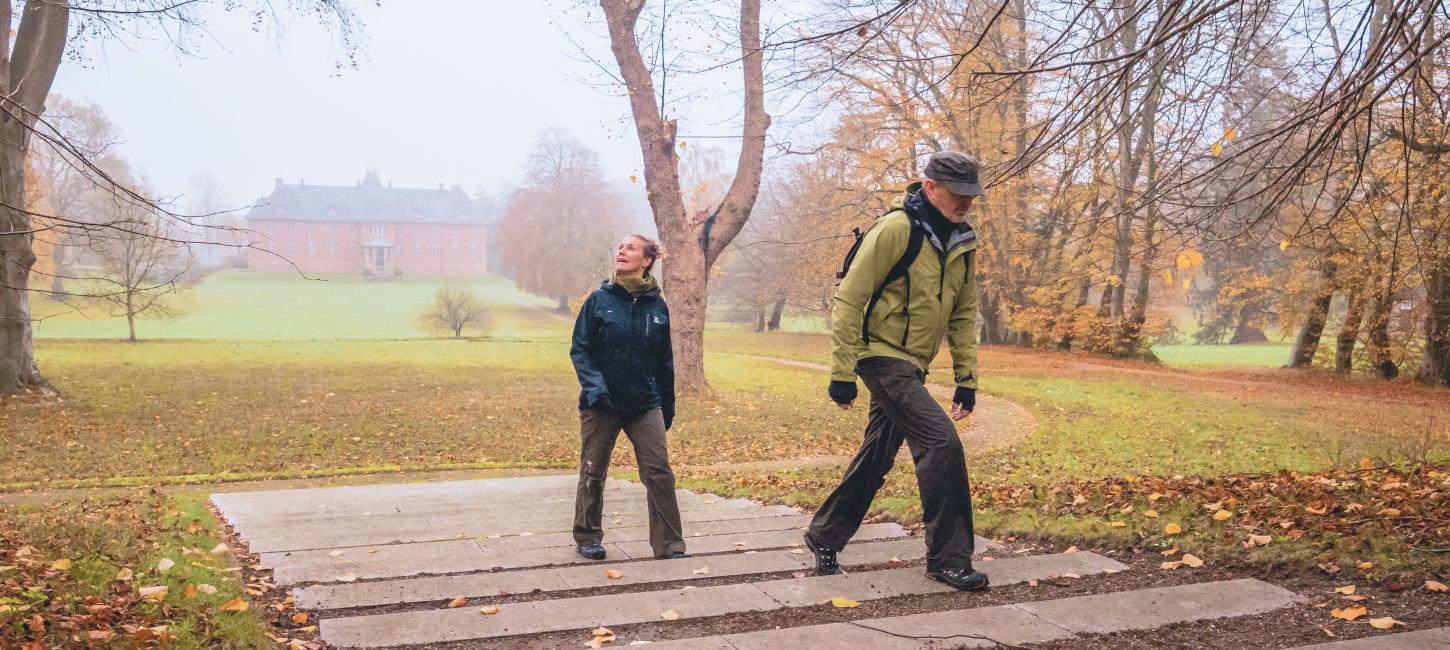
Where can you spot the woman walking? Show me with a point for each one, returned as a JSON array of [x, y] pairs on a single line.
[[626, 369]]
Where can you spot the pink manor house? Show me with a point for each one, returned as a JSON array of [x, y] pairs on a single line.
[[370, 228]]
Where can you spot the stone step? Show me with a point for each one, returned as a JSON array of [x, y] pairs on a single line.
[[1021, 623], [441, 625], [475, 585], [412, 558], [375, 531], [551, 505], [1417, 640], [459, 556]]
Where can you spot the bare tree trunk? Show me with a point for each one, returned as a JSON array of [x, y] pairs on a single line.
[[776, 311], [691, 245], [1379, 335], [760, 318], [1307, 343], [1435, 362], [563, 303], [18, 370], [1349, 332], [131, 314], [26, 72], [991, 308]]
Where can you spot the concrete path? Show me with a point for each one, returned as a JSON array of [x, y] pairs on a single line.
[[377, 567]]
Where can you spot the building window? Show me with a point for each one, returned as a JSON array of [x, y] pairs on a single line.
[[456, 249], [311, 248], [417, 250], [289, 228], [332, 248], [473, 251], [436, 249], [377, 231]]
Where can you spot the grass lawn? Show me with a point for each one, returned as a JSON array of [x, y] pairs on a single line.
[[1262, 355], [282, 306], [77, 574]]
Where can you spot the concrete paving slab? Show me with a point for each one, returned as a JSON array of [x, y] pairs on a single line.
[[1150, 608], [415, 590], [767, 539], [1020, 624], [453, 556], [464, 623], [1435, 639]]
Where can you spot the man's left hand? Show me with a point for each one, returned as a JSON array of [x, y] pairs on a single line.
[[963, 403]]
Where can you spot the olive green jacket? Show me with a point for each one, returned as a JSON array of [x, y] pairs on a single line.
[[943, 300]]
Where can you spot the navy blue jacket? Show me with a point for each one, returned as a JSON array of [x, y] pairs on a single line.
[[622, 353]]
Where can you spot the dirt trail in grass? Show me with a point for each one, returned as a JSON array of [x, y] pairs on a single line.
[[996, 423]]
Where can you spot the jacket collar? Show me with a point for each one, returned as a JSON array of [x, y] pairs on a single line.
[[913, 200], [624, 293]]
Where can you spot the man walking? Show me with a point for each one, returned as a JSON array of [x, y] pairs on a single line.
[[896, 301]]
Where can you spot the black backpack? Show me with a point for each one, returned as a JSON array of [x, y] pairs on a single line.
[[898, 271]]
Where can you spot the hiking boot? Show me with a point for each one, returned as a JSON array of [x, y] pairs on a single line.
[[963, 579], [825, 559], [679, 555], [592, 551]]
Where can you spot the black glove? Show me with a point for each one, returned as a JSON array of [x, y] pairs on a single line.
[[842, 392], [967, 397], [602, 404], [669, 414]]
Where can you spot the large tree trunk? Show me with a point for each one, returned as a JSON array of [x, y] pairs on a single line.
[[1349, 332], [991, 308], [1379, 336], [691, 245], [760, 318], [18, 370], [26, 73], [776, 311], [1435, 362], [1307, 343]]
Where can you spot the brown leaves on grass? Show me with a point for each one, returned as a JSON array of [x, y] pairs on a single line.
[[96, 573]]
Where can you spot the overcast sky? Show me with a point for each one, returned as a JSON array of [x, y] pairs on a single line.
[[449, 92]]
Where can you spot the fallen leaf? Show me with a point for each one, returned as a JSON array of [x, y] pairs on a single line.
[[1260, 540], [60, 565], [300, 618], [843, 602], [1365, 566], [1346, 590], [347, 577], [1170, 565], [602, 636], [1223, 515], [1384, 623], [670, 615], [1032, 583], [1172, 529], [1438, 587], [125, 574], [165, 565], [1071, 549], [1349, 613], [235, 605], [190, 591], [1117, 524], [458, 602], [612, 574], [154, 594], [1192, 560], [894, 560], [740, 543], [1315, 511], [206, 588], [1151, 514], [1170, 552], [219, 549], [337, 553], [704, 570], [488, 611], [1354, 599]]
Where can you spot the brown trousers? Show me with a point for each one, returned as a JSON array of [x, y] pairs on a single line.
[[598, 431]]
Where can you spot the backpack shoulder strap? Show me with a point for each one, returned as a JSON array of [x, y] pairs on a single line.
[[898, 271]]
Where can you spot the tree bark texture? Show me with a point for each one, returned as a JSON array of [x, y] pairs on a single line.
[[691, 244]]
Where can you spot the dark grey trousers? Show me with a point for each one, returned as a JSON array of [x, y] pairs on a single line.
[[901, 408], [598, 431]]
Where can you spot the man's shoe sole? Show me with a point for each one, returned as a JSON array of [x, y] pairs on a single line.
[[938, 577], [590, 557]]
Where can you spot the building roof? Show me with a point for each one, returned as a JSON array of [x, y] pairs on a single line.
[[369, 200]]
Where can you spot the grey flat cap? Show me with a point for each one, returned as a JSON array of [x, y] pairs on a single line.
[[956, 170]]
